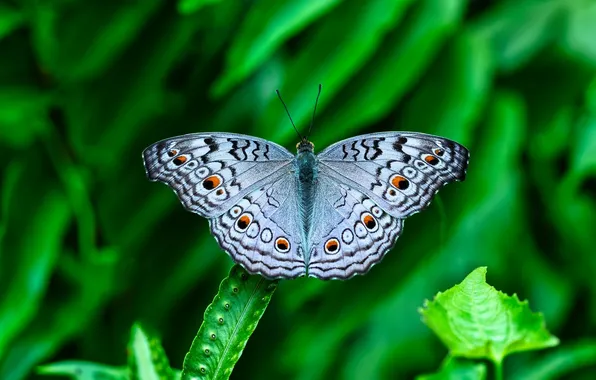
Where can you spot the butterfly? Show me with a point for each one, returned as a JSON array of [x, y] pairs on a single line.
[[332, 215]]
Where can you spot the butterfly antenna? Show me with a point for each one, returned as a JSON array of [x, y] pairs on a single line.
[[288, 112], [312, 121]]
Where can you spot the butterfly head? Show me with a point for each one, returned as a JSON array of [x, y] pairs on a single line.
[[305, 146]]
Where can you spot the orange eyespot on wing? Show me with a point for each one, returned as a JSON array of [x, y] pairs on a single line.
[[282, 244], [243, 222], [180, 160], [212, 182], [439, 152], [369, 221], [400, 182], [172, 153], [431, 159], [332, 246]]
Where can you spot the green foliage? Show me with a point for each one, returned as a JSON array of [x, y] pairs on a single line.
[[84, 370], [146, 360], [474, 320], [88, 246], [457, 369], [228, 323]]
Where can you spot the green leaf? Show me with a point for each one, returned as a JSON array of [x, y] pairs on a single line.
[[474, 320], [192, 6], [561, 362], [10, 19], [35, 217], [228, 323], [457, 86], [578, 38], [266, 26], [147, 360], [84, 370], [457, 369], [518, 29], [22, 115]]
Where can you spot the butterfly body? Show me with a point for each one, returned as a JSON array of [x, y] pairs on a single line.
[[330, 215], [307, 170]]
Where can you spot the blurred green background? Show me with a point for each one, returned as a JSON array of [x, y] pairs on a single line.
[[88, 245]]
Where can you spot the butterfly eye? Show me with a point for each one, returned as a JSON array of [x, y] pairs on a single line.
[[282, 245], [212, 182], [243, 222], [400, 182], [369, 221], [439, 152], [332, 246], [180, 160], [431, 159], [172, 152]]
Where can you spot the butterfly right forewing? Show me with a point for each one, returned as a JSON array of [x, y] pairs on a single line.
[[400, 171]]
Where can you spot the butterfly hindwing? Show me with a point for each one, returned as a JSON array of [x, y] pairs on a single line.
[[351, 232], [261, 231], [401, 172], [210, 172]]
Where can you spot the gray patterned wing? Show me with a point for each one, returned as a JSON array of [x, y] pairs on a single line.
[[210, 172], [367, 186], [261, 231], [350, 232], [399, 171], [245, 186]]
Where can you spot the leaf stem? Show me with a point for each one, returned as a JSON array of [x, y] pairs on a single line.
[[498, 369]]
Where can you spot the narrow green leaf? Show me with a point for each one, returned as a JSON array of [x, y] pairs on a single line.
[[22, 115], [266, 26], [10, 19], [561, 362], [457, 369], [228, 323], [81, 370], [518, 29], [147, 359], [192, 6], [35, 217], [474, 320], [457, 86], [91, 35], [578, 38]]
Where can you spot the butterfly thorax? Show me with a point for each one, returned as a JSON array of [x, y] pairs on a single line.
[[307, 170]]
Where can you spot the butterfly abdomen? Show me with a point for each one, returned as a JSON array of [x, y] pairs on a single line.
[[307, 170]]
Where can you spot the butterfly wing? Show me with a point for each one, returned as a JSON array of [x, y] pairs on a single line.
[[367, 186], [245, 186], [400, 171], [262, 231], [351, 233], [210, 172]]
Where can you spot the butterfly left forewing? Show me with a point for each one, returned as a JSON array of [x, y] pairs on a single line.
[[211, 171]]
